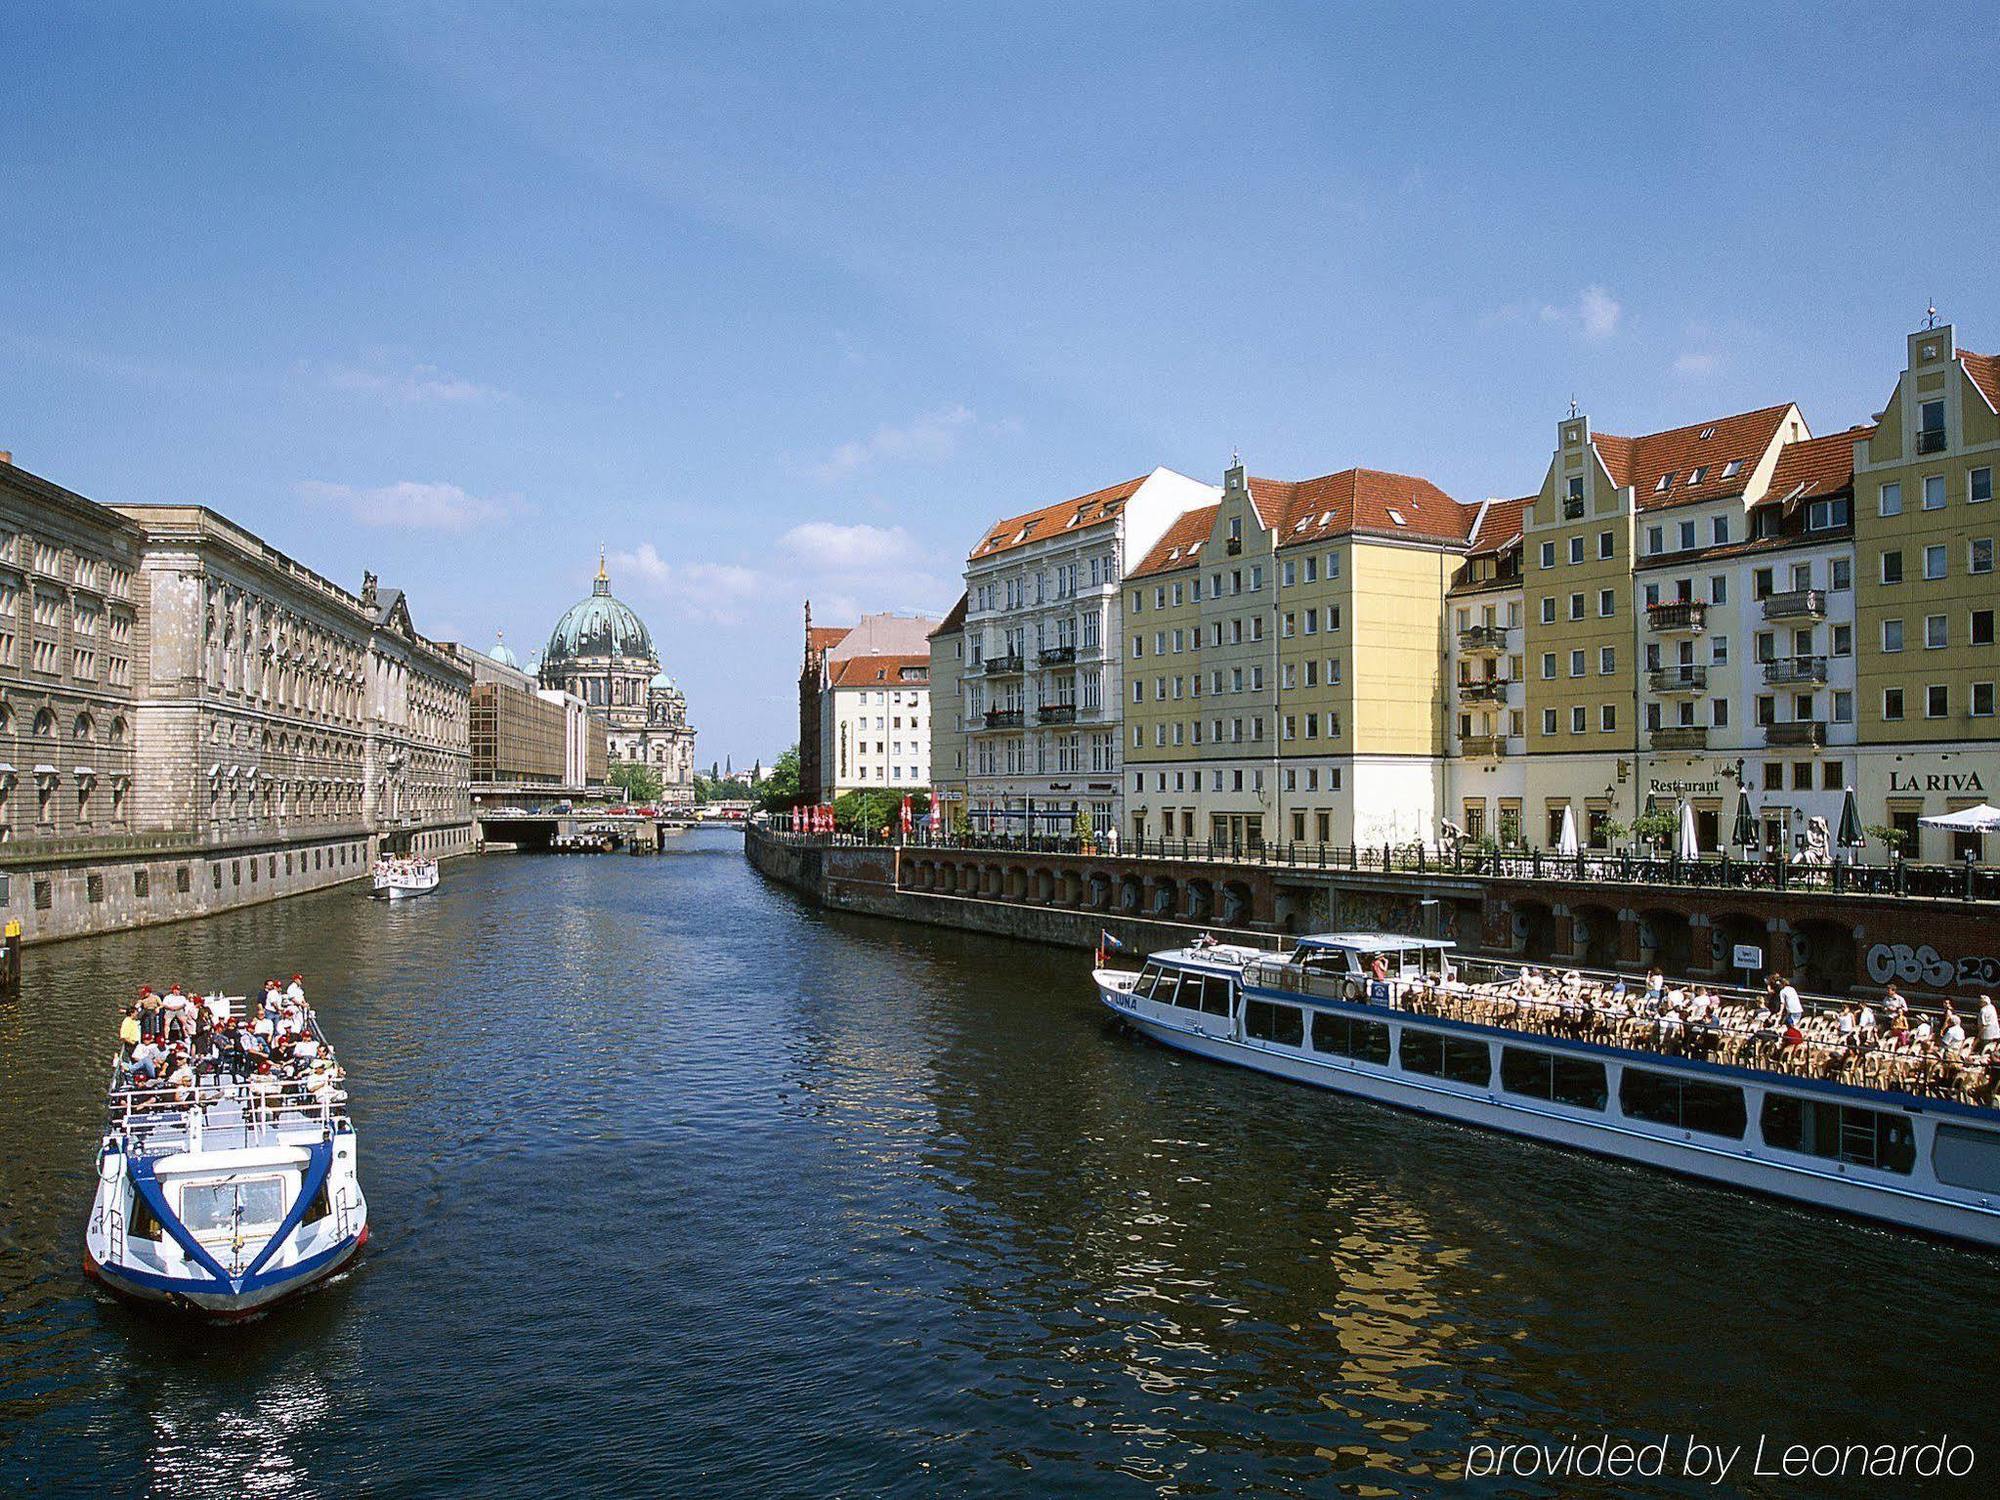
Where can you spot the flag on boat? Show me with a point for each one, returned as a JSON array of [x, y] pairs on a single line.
[[1108, 943]]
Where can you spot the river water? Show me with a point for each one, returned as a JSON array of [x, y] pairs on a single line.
[[681, 1186]]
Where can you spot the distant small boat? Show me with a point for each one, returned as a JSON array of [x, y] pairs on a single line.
[[398, 878]]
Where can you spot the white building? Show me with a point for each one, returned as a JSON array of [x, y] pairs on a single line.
[[1042, 698], [878, 720]]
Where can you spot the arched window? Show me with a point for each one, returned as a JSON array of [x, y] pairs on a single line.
[[84, 729], [118, 730], [45, 725]]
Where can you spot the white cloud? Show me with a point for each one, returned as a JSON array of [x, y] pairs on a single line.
[[1595, 314], [828, 544], [414, 386], [410, 505], [715, 593], [931, 438], [1694, 363]]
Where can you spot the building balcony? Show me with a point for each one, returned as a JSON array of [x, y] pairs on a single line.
[[1004, 666], [1680, 737], [1788, 669], [1483, 746], [1796, 734], [1930, 440], [1795, 604], [1679, 679], [1678, 617], [1004, 718], [1483, 690], [1056, 713], [1483, 640], [1056, 656]]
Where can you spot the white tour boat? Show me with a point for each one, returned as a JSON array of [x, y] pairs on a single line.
[[1902, 1133], [222, 1196], [399, 877]]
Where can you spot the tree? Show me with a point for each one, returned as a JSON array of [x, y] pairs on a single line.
[[1082, 826], [1892, 837], [1654, 827], [637, 780], [959, 820], [780, 789]]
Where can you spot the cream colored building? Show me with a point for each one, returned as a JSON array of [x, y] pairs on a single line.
[[948, 741], [1042, 671]]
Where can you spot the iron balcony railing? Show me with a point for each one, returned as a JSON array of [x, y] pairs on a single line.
[[1483, 639], [1930, 440], [1056, 713], [1788, 669], [1967, 881], [1681, 737], [1483, 690], [1796, 734], [1795, 604], [1483, 746], [1004, 666], [1056, 656], [1680, 679], [1003, 718], [1678, 616]]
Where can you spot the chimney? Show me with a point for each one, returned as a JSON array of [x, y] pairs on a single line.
[[6, 456]]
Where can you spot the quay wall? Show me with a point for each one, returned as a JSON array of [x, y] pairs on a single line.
[[113, 885], [1836, 943]]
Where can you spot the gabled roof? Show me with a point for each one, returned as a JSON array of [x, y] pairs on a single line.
[[1052, 520], [1360, 500], [1676, 455], [881, 671], [826, 637], [1815, 467], [1985, 372], [1181, 546], [1497, 526], [954, 621]]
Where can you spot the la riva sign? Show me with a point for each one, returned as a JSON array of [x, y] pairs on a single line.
[[1936, 781]]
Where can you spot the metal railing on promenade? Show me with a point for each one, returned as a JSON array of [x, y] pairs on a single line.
[[1946, 882]]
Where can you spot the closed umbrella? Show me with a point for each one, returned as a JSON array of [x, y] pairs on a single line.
[[1850, 836], [1687, 842], [1566, 838], [1744, 835]]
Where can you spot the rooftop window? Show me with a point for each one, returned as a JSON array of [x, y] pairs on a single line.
[[1666, 483], [1731, 469]]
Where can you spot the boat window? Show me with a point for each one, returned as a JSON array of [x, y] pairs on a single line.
[[1441, 1056], [1711, 1108], [1574, 1081], [1147, 977], [145, 1225], [1967, 1158], [1192, 987], [1839, 1132], [1216, 996], [1164, 987], [1266, 1022], [212, 1205], [321, 1206], [1346, 1036]]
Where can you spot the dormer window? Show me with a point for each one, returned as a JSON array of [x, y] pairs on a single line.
[[1707, 433], [1731, 469], [1698, 475], [1665, 484]]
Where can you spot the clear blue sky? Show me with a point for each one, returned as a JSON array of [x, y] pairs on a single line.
[[794, 299]]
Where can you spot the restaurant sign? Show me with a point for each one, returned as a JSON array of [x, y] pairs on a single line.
[[1936, 781]]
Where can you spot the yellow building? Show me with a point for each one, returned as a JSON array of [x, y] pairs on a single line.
[[1925, 531], [948, 741], [1284, 667]]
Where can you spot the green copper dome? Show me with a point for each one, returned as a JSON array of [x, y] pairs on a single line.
[[597, 627]]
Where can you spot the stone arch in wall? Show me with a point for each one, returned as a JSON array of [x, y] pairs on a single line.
[[1824, 958], [1597, 935], [1200, 900], [1166, 895], [1131, 893], [1535, 930], [1237, 903], [1665, 940]]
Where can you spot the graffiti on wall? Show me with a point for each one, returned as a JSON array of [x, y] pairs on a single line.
[[1922, 964]]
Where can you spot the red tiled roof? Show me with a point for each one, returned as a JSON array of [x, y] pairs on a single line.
[[1037, 525], [1709, 447], [953, 622], [880, 671], [1498, 524], [1815, 467], [1985, 372], [1363, 500], [1181, 546], [826, 637]]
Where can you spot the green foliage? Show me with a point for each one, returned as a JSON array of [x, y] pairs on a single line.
[[708, 789], [958, 819], [1654, 827], [780, 789], [868, 813], [1892, 838], [1083, 828], [638, 781]]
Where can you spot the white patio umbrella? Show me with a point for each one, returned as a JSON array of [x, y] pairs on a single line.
[[1566, 838], [1984, 818], [1687, 841]]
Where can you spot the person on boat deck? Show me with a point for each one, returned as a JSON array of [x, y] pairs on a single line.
[[1656, 986], [263, 1088], [1893, 1003], [274, 998], [1378, 968], [128, 1030], [1789, 1002], [1989, 1021], [1864, 1024], [146, 1059], [296, 991], [1952, 1038], [181, 1079], [149, 1012]]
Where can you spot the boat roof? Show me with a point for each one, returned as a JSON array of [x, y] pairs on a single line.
[[1370, 941]]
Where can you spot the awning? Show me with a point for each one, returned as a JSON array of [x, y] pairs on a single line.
[[1983, 817]]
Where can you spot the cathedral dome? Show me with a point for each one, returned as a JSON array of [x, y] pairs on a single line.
[[501, 654], [599, 626]]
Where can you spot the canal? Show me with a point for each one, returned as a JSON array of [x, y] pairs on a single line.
[[680, 1186]]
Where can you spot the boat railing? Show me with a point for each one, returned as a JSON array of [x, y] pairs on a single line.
[[222, 1115], [1739, 1028]]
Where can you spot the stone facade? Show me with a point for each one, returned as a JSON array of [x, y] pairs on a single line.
[[196, 721]]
